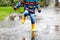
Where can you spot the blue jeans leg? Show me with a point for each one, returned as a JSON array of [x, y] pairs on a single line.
[[26, 13], [32, 18]]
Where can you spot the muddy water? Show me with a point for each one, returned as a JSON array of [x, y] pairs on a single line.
[[47, 26]]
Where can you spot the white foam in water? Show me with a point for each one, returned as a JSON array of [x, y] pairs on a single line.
[[15, 30], [58, 0]]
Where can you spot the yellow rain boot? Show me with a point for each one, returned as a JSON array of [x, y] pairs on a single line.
[[23, 19], [33, 27]]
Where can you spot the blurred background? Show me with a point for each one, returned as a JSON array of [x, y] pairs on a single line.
[[48, 20], [8, 5], [43, 3]]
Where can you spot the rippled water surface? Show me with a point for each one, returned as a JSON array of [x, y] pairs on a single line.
[[47, 26]]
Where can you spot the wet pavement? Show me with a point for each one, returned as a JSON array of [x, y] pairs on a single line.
[[47, 26]]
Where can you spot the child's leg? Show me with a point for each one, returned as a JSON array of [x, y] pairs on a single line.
[[33, 22], [24, 17]]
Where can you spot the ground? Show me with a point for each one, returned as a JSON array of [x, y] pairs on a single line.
[[47, 26]]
